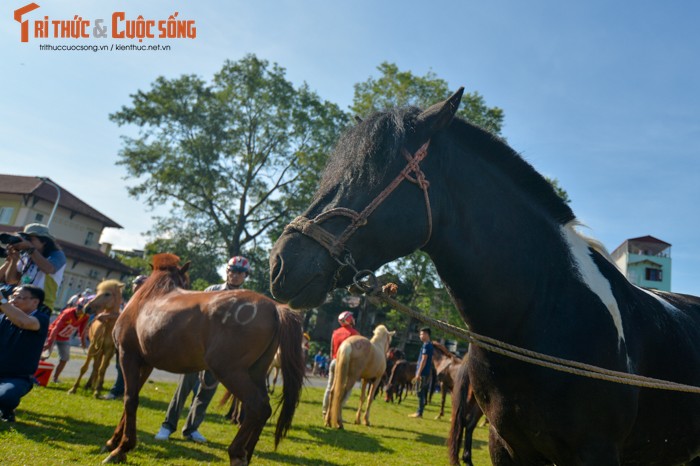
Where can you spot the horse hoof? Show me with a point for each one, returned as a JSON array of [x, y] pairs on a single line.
[[71, 391], [118, 458], [239, 462], [107, 448]]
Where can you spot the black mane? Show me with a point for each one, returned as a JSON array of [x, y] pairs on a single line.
[[365, 151]]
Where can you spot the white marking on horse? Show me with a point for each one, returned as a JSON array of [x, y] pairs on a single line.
[[253, 313], [591, 276]]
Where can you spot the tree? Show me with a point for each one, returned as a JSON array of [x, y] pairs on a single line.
[[395, 88], [233, 158]]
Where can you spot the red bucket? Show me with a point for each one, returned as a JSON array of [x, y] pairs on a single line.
[[43, 373]]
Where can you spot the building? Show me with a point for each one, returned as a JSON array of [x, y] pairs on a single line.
[[645, 261], [76, 226]]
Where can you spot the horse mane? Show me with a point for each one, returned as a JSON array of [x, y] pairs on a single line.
[[160, 282], [363, 154]]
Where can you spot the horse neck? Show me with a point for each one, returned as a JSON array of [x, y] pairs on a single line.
[[488, 242]]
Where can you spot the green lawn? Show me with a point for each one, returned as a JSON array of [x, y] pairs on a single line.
[[56, 428]]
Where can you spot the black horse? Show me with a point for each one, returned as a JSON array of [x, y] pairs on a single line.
[[505, 246]]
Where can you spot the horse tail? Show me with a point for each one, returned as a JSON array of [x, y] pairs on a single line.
[[293, 368], [342, 370], [460, 411]]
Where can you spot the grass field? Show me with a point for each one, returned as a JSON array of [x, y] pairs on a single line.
[[54, 428]]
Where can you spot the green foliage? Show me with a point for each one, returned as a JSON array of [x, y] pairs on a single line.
[[55, 428], [234, 158], [558, 189], [395, 88]]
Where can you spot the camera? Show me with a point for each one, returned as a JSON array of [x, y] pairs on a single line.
[[6, 290], [10, 239]]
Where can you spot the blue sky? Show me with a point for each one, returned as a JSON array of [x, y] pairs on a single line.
[[602, 95]]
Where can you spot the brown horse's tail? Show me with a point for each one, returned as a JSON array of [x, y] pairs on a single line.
[[340, 380], [460, 412], [293, 368]]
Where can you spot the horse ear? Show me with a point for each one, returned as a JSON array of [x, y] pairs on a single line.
[[438, 116], [185, 267], [391, 334]]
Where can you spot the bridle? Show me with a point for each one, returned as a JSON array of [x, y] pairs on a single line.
[[336, 245]]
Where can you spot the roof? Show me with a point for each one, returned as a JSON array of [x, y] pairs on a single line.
[[88, 255], [33, 186], [649, 239]]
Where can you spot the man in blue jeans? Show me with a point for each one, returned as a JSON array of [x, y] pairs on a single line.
[[24, 326], [423, 371]]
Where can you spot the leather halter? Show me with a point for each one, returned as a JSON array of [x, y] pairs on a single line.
[[336, 245]]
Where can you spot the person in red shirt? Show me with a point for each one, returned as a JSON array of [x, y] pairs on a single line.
[[69, 321], [346, 329]]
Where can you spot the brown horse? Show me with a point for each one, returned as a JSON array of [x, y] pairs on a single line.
[[465, 416], [400, 380], [358, 358], [446, 366], [106, 305], [234, 334]]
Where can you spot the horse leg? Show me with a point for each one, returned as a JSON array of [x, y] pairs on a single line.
[[256, 404], [443, 392], [106, 359], [83, 370], [358, 416], [274, 379], [372, 391], [135, 376], [474, 413]]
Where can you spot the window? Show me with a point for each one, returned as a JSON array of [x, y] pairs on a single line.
[[6, 215], [38, 218], [89, 238], [653, 275]]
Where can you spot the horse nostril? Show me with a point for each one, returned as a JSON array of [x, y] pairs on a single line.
[[275, 268]]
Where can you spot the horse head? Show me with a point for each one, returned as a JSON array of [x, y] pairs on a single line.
[[371, 207], [108, 297]]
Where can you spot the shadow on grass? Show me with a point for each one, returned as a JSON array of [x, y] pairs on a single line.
[[59, 431], [278, 458], [346, 439]]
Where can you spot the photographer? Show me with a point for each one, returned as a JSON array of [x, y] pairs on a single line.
[[34, 258], [23, 330]]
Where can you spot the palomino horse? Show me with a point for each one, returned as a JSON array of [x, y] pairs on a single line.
[[358, 358], [446, 367], [105, 305], [277, 364], [465, 416], [505, 245], [234, 334]]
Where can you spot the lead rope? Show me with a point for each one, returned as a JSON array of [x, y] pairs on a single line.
[[532, 357]]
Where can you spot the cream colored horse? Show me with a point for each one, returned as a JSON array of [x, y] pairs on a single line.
[[358, 358], [276, 365], [105, 305]]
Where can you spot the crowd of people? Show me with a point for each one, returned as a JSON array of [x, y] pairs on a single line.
[[30, 277]]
